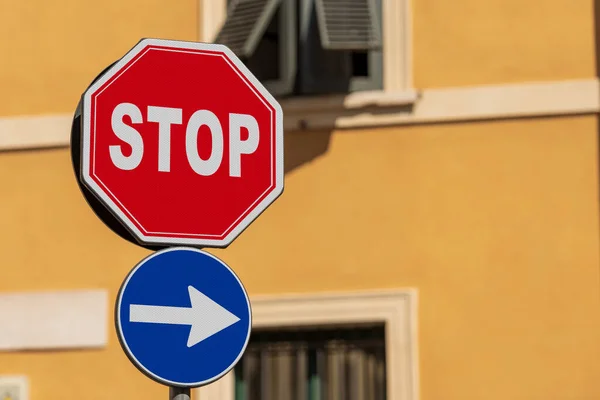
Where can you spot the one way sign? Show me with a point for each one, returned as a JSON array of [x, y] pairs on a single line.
[[204, 317], [183, 317]]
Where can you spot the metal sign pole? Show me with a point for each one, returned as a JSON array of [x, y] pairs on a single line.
[[177, 393]]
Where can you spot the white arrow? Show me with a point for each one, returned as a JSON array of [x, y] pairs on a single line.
[[205, 317]]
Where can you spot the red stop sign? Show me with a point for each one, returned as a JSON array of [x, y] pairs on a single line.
[[182, 143]]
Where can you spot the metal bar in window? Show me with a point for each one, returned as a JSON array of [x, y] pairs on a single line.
[[240, 380], [380, 374], [283, 373], [324, 381], [266, 374], [357, 387], [335, 372], [302, 374], [251, 363], [342, 370], [370, 384]]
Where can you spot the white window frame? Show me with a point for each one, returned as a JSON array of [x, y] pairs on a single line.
[[397, 309]]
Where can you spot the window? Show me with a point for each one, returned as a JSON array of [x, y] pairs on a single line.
[[366, 323], [345, 363], [307, 47]]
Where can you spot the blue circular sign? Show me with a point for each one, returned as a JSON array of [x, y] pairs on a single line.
[[183, 317]]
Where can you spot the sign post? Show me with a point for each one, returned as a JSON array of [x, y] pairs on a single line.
[[176, 393], [178, 144]]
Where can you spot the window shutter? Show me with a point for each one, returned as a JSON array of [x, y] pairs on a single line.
[[321, 71], [326, 71], [348, 24], [245, 24]]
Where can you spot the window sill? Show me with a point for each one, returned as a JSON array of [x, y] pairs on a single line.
[[452, 104], [358, 100], [302, 113]]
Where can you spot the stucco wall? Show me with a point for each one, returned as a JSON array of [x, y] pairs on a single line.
[[496, 224], [51, 50], [473, 42]]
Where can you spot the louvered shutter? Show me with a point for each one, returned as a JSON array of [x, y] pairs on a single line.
[[245, 24], [348, 24]]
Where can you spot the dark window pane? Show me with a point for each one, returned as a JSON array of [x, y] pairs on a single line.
[[345, 363], [264, 61], [360, 63]]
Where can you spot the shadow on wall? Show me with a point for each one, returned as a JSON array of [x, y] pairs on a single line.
[[303, 147], [310, 140]]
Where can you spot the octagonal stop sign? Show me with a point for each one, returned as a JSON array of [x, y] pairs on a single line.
[[181, 143]]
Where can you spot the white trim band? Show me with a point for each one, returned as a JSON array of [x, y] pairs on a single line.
[[475, 103], [35, 131], [54, 320], [356, 110]]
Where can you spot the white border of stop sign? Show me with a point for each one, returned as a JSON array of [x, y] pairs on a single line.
[[166, 117]]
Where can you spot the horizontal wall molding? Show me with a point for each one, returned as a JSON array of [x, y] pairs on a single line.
[[370, 109], [477, 103], [75, 319], [35, 131]]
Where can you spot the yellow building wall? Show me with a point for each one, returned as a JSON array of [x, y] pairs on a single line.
[[51, 50], [474, 42], [495, 223]]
